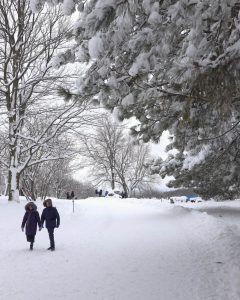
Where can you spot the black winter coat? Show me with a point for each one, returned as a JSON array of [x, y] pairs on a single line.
[[31, 219], [51, 216]]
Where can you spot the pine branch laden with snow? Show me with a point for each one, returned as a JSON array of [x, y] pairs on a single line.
[[171, 64]]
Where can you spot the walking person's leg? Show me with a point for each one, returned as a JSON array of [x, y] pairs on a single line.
[[32, 242], [31, 239], [51, 238]]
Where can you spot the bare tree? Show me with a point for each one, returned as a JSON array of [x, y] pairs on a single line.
[[54, 179], [132, 167], [41, 179], [114, 158], [28, 82], [53, 166], [100, 148]]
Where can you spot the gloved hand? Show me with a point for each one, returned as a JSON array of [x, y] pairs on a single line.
[[22, 228], [40, 228]]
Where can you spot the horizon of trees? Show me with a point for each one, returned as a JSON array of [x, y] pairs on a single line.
[[114, 158]]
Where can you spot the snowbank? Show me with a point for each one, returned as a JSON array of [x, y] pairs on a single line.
[[122, 249]]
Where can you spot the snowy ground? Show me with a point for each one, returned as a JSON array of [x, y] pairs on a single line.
[[112, 249]]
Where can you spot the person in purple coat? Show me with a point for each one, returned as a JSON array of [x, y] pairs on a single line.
[[30, 221], [51, 217]]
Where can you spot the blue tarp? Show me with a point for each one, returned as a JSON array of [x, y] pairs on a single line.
[[191, 196]]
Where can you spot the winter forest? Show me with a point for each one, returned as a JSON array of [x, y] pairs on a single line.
[[136, 101], [72, 71]]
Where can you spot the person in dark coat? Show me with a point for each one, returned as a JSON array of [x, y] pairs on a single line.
[[72, 195], [68, 196], [51, 218], [30, 221]]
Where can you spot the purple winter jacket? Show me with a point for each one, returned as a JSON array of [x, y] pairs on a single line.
[[31, 219]]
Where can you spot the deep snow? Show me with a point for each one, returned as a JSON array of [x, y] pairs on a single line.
[[124, 249]]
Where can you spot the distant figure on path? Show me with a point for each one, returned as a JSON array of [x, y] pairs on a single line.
[[51, 216], [31, 219], [68, 196], [72, 195], [100, 193]]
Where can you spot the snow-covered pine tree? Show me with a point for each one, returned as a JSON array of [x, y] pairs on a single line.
[[173, 64], [212, 173]]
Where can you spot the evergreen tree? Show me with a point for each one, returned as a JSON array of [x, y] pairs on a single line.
[[173, 64]]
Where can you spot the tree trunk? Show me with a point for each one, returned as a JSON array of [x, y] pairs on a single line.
[[13, 172], [33, 196], [6, 185], [125, 189], [13, 184], [112, 180], [58, 191], [45, 194]]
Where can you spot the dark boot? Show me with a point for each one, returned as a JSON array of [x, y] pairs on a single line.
[[51, 248]]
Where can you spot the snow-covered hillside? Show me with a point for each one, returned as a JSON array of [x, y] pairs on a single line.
[[124, 249]]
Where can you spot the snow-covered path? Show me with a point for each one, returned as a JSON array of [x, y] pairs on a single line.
[[112, 249]]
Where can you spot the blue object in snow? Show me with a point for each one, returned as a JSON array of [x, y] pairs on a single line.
[[191, 196]]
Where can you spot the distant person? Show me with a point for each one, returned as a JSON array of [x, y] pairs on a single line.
[[100, 193], [96, 192], [124, 195], [68, 196], [30, 221], [72, 195], [51, 217], [106, 193]]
